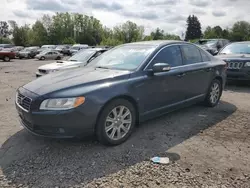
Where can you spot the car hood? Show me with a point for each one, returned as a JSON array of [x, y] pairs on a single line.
[[75, 77], [61, 65], [234, 56]]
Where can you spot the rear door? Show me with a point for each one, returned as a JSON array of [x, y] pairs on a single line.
[[197, 70]]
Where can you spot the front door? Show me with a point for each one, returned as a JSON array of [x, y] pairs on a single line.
[[166, 88]]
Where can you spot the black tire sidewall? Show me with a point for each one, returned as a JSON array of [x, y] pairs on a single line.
[[208, 101], [100, 127], [42, 58]]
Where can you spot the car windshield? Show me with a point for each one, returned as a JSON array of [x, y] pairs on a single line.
[[82, 56], [236, 48], [206, 42], [127, 57]]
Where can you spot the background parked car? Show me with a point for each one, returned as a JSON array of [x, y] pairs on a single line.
[[29, 52], [63, 49], [17, 49], [49, 54], [6, 46], [82, 58], [7, 54], [46, 47], [237, 57], [77, 47], [213, 46], [128, 84]]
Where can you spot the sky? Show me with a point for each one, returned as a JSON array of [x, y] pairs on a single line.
[[169, 15]]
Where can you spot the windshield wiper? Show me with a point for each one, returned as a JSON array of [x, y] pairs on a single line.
[[100, 67], [72, 60]]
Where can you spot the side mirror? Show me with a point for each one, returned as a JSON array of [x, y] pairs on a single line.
[[161, 67]]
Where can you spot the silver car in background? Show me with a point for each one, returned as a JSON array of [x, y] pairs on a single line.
[[49, 54], [81, 59]]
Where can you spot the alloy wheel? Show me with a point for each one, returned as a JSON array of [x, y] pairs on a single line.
[[215, 93], [118, 122]]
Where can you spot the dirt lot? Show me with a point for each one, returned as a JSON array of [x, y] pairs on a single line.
[[207, 147]]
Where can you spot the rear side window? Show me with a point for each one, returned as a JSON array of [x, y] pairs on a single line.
[[170, 55], [191, 54], [204, 56]]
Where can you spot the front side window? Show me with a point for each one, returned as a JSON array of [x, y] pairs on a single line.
[[191, 54], [125, 57], [170, 55]]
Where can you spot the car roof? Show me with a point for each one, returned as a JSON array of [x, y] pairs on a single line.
[[242, 42], [155, 42]]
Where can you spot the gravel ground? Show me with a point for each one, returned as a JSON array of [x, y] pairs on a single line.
[[207, 147]]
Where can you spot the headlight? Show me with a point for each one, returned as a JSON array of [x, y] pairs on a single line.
[[62, 103], [247, 64]]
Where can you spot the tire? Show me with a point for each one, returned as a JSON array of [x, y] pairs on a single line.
[[6, 58], [42, 58], [213, 94], [20, 57], [104, 131], [58, 58]]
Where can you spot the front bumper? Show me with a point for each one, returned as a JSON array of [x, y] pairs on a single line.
[[59, 124], [238, 74]]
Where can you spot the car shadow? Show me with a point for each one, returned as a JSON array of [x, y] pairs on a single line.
[[41, 162], [237, 86]]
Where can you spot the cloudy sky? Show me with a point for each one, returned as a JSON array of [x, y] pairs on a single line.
[[169, 15]]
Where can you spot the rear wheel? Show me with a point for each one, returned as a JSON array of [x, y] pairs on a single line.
[[42, 58], [116, 122], [6, 58], [214, 93], [58, 58]]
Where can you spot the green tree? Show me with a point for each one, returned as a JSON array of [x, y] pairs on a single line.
[[38, 35], [158, 34], [4, 31], [240, 31], [68, 40], [193, 28]]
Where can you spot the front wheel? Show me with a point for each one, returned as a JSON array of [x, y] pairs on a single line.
[[42, 58], [6, 58], [214, 93], [116, 122]]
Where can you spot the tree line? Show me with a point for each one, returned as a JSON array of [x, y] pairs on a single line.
[[70, 28], [240, 31]]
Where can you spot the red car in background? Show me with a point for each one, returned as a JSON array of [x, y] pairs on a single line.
[[7, 55]]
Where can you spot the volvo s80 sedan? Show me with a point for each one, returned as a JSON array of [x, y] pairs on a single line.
[[124, 86]]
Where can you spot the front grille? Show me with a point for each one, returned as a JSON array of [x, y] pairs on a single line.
[[42, 71], [235, 65], [23, 101]]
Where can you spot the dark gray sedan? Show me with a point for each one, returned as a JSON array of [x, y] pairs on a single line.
[[126, 85]]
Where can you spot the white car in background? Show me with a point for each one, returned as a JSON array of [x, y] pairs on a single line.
[[79, 60]]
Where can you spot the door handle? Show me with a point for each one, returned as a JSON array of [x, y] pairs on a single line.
[[181, 75]]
